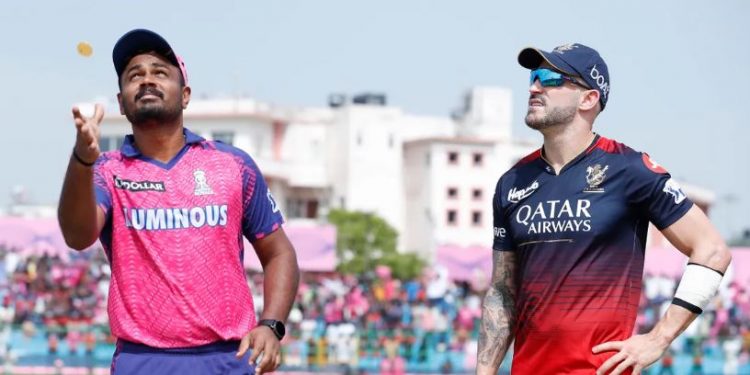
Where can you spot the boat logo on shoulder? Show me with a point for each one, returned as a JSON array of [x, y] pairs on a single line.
[[595, 175], [201, 183], [672, 188]]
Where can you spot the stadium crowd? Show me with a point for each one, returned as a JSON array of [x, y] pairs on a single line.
[[371, 323]]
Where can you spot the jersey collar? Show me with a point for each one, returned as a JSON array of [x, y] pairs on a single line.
[[581, 156]]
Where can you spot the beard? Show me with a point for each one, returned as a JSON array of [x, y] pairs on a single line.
[[555, 116], [152, 112]]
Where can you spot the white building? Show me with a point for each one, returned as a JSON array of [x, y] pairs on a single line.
[[432, 178]]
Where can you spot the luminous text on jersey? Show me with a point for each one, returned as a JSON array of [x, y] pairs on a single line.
[[175, 218], [555, 216]]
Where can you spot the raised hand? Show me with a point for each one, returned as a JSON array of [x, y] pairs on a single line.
[[87, 133]]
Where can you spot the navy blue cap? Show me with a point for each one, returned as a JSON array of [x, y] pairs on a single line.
[[139, 41], [574, 59]]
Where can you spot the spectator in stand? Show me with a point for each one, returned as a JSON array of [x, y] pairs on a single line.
[[365, 333]]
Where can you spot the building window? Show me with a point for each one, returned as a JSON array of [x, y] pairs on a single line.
[[110, 143], [452, 193], [453, 157], [302, 208], [476, 194], [476, 218], [223, 137], [104, 144], [293, 208], [478, 159], [452, 217], [311, 211]]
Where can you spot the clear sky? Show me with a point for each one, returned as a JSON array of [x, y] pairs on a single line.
[[679, 90]]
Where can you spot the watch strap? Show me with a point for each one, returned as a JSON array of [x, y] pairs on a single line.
[[272, 324]]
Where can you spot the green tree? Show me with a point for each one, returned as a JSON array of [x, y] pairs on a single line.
[[404, 266], [364, 241]]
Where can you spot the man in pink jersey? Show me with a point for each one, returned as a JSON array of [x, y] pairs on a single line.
[[570, 234], [170, 209]]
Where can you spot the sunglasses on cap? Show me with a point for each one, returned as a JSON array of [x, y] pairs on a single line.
[[551, 78]]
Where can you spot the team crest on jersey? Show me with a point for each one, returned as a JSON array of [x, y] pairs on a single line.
[[201, 183], [595, 175]]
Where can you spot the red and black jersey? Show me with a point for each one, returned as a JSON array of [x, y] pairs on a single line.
[[580, 238]]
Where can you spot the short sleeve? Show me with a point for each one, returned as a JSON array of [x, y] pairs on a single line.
[[261, 215], [653, 190], [101, 188], [502, 240]]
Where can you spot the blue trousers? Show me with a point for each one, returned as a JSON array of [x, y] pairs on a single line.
[[214, 359]]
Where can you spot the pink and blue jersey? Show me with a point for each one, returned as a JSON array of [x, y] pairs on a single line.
[[174, 239], [580, 239]]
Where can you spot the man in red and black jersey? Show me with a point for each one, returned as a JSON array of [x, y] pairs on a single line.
[[570, 233]]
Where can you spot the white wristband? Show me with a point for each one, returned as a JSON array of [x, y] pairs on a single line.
[[698, 285]]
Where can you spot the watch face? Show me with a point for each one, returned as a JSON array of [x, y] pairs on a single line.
[[279, 326], [276, 326]]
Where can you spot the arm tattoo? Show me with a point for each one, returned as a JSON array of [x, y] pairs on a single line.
[[498, 311]]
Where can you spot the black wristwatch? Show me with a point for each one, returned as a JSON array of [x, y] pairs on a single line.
[[275, 325]]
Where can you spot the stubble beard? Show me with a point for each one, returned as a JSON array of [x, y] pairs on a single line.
[[556, 116], [152, 113]]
